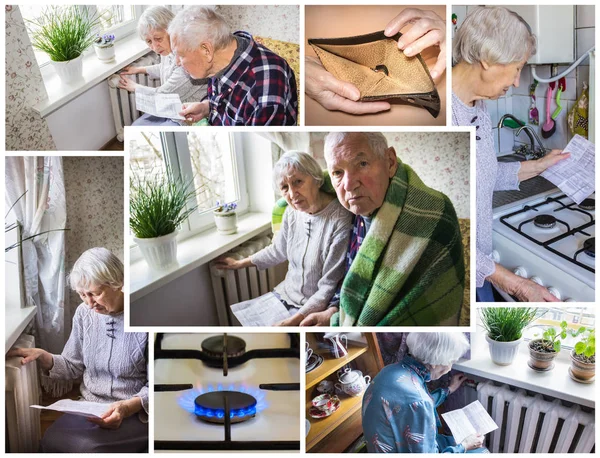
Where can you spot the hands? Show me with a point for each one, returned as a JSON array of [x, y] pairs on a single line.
[[336, 95], [117, 412], [472, 442], [195, 111], [551, 158], [31, 354], [428, 30], [127, 84], [229, 263], [529, 291], [292, 321], [456, 382], [133, 70], [319, 318]]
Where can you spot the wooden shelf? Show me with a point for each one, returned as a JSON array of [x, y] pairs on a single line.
[[321, 427], [331, 365]]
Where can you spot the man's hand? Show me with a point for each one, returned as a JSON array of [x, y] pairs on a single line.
[[117, 412], [31, 354], [319, 318], [428, 29], [336, 95], [195, 111]]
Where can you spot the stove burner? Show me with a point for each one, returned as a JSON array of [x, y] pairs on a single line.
[[589, 247], [545, 221], [214, 346], [210, 406], [588, 204]]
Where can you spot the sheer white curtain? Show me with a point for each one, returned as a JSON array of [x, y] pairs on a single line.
[[42, 208], [287, 141]]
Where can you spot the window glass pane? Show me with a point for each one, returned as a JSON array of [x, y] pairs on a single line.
[[213, 166], [574, 316], [146, 159]]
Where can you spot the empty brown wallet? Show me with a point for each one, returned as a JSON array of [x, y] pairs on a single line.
[[379, 69]]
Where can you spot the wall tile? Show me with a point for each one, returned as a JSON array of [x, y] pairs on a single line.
[[585, 16], [584, 40]]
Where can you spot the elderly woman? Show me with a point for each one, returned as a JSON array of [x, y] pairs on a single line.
[[313, 238], [152, 28], [110, 363], [398, 411], [490, 49]]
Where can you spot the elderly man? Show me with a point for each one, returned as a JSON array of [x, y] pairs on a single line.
[[249, 85], [405, 259]]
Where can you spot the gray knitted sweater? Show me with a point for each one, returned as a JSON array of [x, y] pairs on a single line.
[[490, 176], [111, 362], [315, 246]]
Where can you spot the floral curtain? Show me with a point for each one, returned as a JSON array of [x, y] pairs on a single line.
[[42, 208]]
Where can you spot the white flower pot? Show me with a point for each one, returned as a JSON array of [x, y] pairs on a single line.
[[159, 252], [503, 353], [226, 222], [70, 70], [105, 53]]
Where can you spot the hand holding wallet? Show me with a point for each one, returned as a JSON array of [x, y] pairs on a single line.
[[379, 69]]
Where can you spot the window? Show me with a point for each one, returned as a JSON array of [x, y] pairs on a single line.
[[120, 20], [574, 316], [210, 158]]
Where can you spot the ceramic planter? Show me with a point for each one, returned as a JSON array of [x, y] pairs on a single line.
[[503, 353], [226, 222], [159, 252], [581, 371], [541, 361], [105, 53], [70, 70]]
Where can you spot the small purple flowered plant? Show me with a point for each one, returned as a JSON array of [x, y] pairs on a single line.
[[106, 39], [226, 207]]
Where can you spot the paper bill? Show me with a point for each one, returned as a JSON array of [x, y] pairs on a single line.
[[472, 419], [81, 408], [161, 105], [265, 310], [575, 175]]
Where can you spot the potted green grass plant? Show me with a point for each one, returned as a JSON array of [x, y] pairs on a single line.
[[157, 207], [583, 356], [64, 33], [543, 351], [504, 330]]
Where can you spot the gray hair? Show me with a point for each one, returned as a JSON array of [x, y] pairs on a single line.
[[376, 140], [437, 348], [197, 24], [299, 162], [154, 18], [495, 35], [97, 266]]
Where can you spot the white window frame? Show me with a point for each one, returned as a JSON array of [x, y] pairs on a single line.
[[569, 342]]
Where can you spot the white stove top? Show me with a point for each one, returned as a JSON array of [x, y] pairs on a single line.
[[280, 419], [556, 259]]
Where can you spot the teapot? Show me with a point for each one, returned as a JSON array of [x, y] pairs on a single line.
[[352, 382], [337, 348]]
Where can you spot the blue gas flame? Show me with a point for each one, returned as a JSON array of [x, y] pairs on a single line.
[[187, 398]]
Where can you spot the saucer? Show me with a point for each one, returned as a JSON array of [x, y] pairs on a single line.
[[313, 362], [579, 380], [318, 413], [540, 370]]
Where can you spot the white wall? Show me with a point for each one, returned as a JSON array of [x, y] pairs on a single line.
[[85, 123]]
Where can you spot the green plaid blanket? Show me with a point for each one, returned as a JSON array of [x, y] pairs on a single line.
[[409, 270]]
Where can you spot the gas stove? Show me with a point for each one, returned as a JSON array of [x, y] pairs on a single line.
[[227, 392], [549, 239]]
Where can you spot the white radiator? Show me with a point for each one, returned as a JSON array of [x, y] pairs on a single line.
[[122, 101], [22, 389], [530, 424], [232, 286]]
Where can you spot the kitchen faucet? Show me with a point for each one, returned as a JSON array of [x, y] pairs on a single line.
[[541, 151], [518, 122]]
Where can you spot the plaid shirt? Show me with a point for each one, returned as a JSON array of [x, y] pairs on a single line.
[[258, 88], [359, 230]]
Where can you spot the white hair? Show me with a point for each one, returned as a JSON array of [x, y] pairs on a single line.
[[154, 18], [437, 348], [197, 24], [97, 266], [376, 140], [296, 161], [493, 34]]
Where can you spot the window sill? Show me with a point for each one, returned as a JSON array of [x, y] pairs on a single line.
[[16, 321], [194, 252], [94, 72], [555, 383]]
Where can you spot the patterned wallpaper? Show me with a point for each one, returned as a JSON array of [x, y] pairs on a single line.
[[441, 159], [25, 129], [95, 215], [280, 22]]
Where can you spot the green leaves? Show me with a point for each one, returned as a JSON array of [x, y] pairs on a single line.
[[158, 206], [506, 324], [587, 345], [64, 32]]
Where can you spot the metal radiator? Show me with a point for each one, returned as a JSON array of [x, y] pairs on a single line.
[[22, 389], [530, 424], [123, 102], [232, 286]]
